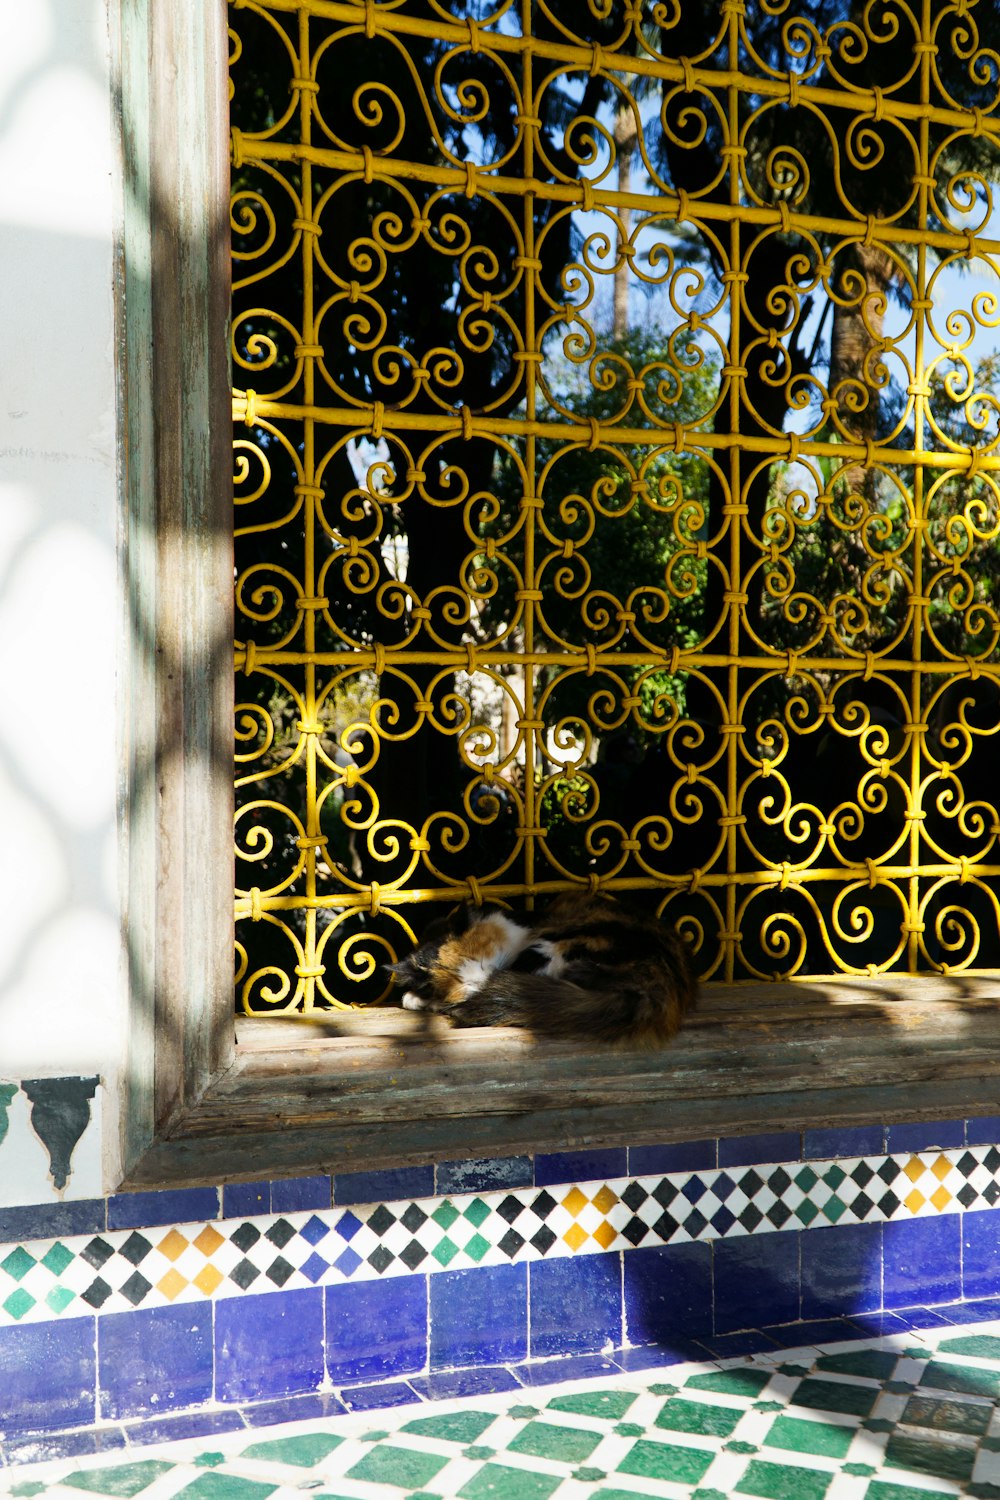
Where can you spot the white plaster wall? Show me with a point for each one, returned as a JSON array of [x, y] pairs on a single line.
[[61, 990]]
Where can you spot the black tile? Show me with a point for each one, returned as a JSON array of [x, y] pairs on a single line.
[[244, 1274], [695, 1223], [543, 1239], [136, 1288], [635, 1231], [380, 1258], [862, 1174], [888, 1204], [381, 1220], [888, 1171], [280, 1233], [543, 1205], [967, 1164], [413, 1218], [414, 1255], [634, 1196], [97, 1293], [279, 1271], [779, 1182], [665, 1192], [779, 1214], [750, 1217], [510, 1208], [97, 1253], [245, 1236], [135, 1249], [862, 1206], [967, 1195], [511, 1242], [751, 1183]]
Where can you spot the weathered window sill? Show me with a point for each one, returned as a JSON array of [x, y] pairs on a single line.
[[363, 1090]]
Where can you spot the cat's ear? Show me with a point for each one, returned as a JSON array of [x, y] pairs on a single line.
[[461, 919]]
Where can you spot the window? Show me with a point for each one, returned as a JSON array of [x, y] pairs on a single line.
[[836, 528]]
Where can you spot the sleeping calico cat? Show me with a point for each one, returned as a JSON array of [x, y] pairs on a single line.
[[585, 968]]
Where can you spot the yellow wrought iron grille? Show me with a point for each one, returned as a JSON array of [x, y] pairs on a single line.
[[616, 476]]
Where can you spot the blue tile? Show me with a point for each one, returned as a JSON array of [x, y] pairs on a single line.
[[77, 1443], [376, 1329], [688, 1156], [924, 1136], [847, 1140], [48, 1376], [659, 1356], [374, 1397], [457, 1383], [878, 1325], [268, 1345], [981, 1253], [576, 1304], [822, 1331], [983, 1310], [575, 1367], [292, 1194], [580, 1166], [154, 1359], [756, 1281], [479, 1317], [984, 1130], [174, 1206], [312, 1407], [485, 1176], [729, 1345], [245, 1200], [43, 1221], [841, 1270], [668, 1293], [921, 1261], [751, 1150], [383, 1187], [188, 1424]]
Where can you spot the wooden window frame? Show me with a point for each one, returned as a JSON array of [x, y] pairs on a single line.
[[210, 1099]]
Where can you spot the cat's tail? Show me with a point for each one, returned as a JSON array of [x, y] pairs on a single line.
[[622, 1013]]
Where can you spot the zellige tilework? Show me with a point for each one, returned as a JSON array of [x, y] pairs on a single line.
[[900, 1418], [120, 1269]]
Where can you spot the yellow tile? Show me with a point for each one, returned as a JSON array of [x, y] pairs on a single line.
[[941, 1198], [914, 1201], [207, 1279], [605, 1234], [172, 1245], [604, 1199], [914, 1168], [941, 1168], [574, 1201], [172, 1284], [209, 1240], [575, 1236]]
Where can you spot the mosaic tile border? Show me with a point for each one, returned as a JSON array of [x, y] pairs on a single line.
[[121, 1270]]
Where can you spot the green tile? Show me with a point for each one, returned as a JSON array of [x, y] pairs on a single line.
[[400, 1466], [629, 1429], [445, 1251], [59, 1298], [946, 1416], [944, 1376], [304, 1452], [801, 1436], [612, 1405], [588, 1476], [213, 1486], [834, 1176], [565, 1445], [497, 1482], [124, 1479], [873, 1364], [730, 1382], [27, 1489], [834, 1208], [455, 1427], [57, 1258], [477, 1248], [783, 1481], [477, 1450], [476, 1212], [940, 1457], [979, 1345], [210, 1460], [522, 1413], [806, 1211], [19, 1303], [445, 1214], [679, 1415], [835, 1395], [666, 1461], [619, 1495], [18, 1263], [806, 1180], [880, 1490]]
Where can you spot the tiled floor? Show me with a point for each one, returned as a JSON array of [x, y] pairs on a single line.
[[911, 1416]]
